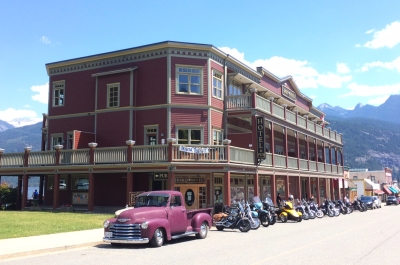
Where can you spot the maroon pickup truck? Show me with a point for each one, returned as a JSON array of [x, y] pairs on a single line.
[[157, 216]]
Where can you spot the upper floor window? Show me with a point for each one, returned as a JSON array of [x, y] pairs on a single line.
[[217, 85], [58, 93], [189, 80], [235, 89], [113, 95], [217, 137], [355, 177], [151, 135], [189, 136], [56, 139]]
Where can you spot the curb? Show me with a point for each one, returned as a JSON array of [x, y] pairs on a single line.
[[46, 250]]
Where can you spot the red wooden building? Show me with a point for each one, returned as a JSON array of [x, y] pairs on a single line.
[[181, 116]]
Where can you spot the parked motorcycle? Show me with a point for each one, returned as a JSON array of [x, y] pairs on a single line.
[[287, 212], [327, 208], [349, 206], [270, 207], [300, 208], [234, 219], [342, 207], [314, 207], [264, 215], [252, 216], [307, 209], [359, 205]]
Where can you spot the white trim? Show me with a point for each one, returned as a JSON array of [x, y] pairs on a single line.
[[210, 88], [131, 93], [222, 84], [54, 84], [115, 71], [189, 127], [201, 93], [113, 85], [145, 128], [56, 135], [169, 92]]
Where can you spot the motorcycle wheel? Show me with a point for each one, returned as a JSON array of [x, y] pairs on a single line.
[[331, 214], [304, 217], [255, 224], [320, 214], [264, 221], [273, 221], [244, 226], [300, 219], [283, 218], [220, 228]]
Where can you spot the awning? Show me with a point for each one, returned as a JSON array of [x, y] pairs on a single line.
[[379, 192], [392, 189], [398, 190], [386, 190]]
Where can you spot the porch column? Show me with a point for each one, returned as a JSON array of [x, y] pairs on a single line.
[[318, 192], [56, 191], [343, 189], [171, 178], [272, 143], [227, 188], [41, 184], [324, 155], [307, 152], [316, 153], [308, 188], [330, 157], [129, 186], [91, 192], [285, 144], [130, 144], [256, 185], [332, 187], [337, 158], [19, 192], [24, 191], [296, 135], [287, 192], [273, 188], [299, 187]]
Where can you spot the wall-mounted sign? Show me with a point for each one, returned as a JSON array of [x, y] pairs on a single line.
[[288, 93], [160, 176], [260, 138], [190, 180]]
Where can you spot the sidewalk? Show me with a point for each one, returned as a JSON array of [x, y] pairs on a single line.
[[17, 247]]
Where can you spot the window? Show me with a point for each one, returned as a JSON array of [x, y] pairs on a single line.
[[373, 178], [70, 141], [217, 137], [58, 93], [151, 135], [279, 150], [113, 95], [189, 80], [57, 139], [217, 85], [175, 201], [355, 177], [235, 89], [189, 136]]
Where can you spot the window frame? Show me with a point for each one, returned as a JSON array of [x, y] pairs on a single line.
[[148, 133], [216, 88], [190, 128], [238, 87], [109, 87], [177, 72], [57, 135], [219, 132], [55, 84]]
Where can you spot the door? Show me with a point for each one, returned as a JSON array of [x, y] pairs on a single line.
[[177, 216], [194, 196]]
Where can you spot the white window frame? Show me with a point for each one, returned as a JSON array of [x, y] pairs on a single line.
[[70, 136], [60, 87], [109, 87], [150, 130], [190, 128], [179, 69], [219, 78], [235, 89], [220, 133], [58, 136]]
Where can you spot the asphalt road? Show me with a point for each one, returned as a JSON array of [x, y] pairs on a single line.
[[371, 237]]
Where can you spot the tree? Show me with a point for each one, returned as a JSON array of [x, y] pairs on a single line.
[[8, 195]]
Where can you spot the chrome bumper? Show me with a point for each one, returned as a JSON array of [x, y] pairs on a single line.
[[126, 241]]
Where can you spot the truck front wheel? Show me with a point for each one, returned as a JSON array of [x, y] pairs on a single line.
[[158, 238], [203, 231]]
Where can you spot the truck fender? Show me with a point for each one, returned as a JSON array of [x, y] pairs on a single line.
[[198, 219], [153, 225]]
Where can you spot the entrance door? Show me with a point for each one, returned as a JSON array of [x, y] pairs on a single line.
[[193, 196]]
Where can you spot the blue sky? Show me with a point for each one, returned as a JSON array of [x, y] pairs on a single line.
[[339, 52]]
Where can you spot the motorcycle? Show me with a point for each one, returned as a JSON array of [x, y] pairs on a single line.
[[287, 212], [270, 208], [314, 207], [342, 207], [327, 209], [307, 209], [300, 208], [349, 206], [235, 219], [359, 205], [252, 216], [263, 215]]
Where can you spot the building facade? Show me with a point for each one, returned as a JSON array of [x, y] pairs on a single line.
[[180, 116]]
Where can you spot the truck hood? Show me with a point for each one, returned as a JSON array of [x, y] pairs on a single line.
[[138, 215]]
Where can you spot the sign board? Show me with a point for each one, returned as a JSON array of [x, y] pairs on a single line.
[[190, 180], [260, 138], [160, 176], [288, 93]]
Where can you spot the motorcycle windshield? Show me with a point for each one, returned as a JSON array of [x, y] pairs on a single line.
[[256, 199], [269, 201]]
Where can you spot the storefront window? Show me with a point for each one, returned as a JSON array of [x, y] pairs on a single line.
[[80, 183]]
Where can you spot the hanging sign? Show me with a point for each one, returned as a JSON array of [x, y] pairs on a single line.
[[288, 93], [260, 138]]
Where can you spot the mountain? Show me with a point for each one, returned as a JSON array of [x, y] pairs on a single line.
[[388, 111], [15, 139], [5, 126]]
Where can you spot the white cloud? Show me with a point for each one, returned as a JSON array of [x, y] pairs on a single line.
[[45, 40], [331, 80], [342, 68], [11, 114], [42, 93], [370, 31], [387, 37], [358, 45], [313, 96], [378, 101], [365, 90], [394, 65]]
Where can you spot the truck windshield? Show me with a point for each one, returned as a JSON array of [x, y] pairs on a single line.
[[152, 201]]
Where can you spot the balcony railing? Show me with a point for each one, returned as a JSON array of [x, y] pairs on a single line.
[[278, 111], [74, 157], [241, 155], [290, 116], [268, 160], [12, 160], [280, 160], [301, 121], [263, 104], [303, 164], [238, 102], [334, 168], [292, 162], [313, 166], [149, 153], [321, 167]]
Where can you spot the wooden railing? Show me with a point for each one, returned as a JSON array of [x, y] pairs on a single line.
[[238, 102], [267, 161], [201, 153], [290, 116], [310, 126], [303, 164], [278, 111], [150, 153], [43, 158], [74, 157], [280, 160], [318, 129], [301, 121], [241, 155], [110, 155], [321, 167], [263, 104], [334, 168], [12, 160], [313, 166]]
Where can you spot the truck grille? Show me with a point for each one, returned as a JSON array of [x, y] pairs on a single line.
[[125, 231]]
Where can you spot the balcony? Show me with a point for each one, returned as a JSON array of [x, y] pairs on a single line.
[[264, 105], [212, 154]]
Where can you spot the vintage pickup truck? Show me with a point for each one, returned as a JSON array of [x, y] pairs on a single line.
[[157, 216]]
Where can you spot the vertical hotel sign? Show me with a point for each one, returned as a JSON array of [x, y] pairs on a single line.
[[260, 138]]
